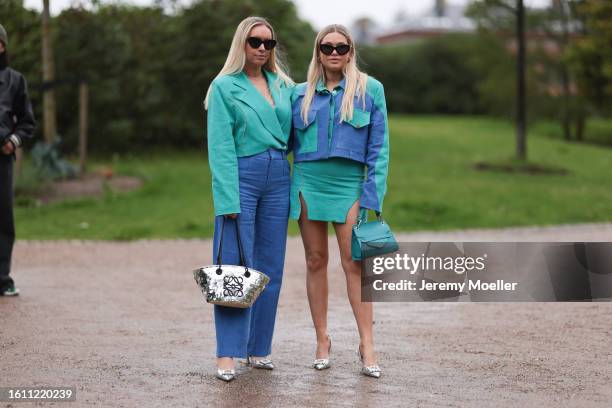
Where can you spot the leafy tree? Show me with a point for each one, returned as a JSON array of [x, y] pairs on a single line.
[[440, 75], [148, 70], [203, 35], [93, 45], [591, 55]]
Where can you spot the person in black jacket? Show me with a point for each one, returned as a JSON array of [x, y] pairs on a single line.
[[16, 123]]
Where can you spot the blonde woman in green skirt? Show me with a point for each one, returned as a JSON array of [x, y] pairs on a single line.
[[341, 153]]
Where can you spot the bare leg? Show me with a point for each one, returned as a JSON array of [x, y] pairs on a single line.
[[314, 237], [352, 269]]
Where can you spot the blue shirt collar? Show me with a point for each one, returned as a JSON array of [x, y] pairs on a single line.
[[321, 85]]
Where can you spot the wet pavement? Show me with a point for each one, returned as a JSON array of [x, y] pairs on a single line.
[[126, 325]]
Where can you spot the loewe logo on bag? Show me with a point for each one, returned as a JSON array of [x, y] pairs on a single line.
[[232, 286]]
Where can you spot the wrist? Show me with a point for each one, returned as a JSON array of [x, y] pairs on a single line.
[[15, 140]]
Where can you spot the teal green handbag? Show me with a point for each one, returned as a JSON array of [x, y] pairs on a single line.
[[371, 238]]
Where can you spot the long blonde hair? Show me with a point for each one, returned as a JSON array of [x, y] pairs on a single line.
[[236, 57], [355, 80]]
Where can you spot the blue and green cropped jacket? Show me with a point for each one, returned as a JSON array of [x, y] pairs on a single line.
[[364, 138]]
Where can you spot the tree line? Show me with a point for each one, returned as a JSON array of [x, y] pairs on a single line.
[[148, 69]]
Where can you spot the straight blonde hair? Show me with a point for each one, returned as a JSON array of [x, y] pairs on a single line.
[[355, 80], [236, 57]]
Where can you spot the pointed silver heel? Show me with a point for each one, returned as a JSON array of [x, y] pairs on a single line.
[[370, 371], [263, 364], [225, 375], [323, 363]]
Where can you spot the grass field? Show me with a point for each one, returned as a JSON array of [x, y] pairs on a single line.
[[432, 185]]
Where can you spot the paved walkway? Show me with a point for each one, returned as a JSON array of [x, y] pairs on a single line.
[[125, 324]]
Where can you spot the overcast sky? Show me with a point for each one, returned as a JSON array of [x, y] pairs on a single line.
[[323, 12]]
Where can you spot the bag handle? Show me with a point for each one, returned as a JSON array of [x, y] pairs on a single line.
[[363, 216], [240, 250]]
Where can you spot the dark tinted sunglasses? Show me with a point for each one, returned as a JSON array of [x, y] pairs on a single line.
[[328, 49], [255, 43]]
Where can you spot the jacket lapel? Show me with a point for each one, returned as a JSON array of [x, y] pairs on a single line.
[[282, 100], [252, 97]]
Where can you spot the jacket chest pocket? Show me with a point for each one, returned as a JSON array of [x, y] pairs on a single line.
[[306, 132], [354, 134]]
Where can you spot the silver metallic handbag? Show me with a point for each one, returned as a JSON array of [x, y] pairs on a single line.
[[230, 285]]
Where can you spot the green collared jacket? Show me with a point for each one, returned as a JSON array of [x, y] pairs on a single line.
[[241, 122]]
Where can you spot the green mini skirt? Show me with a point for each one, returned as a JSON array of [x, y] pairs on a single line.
[[329, 188]]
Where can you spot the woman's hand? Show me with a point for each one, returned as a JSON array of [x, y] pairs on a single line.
[[8, 148]]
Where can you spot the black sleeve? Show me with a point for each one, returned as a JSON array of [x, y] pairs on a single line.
[[24, 128]]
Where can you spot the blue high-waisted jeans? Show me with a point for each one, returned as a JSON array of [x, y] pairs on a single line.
[[264, 211]]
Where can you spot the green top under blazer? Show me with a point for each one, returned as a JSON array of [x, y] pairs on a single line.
[[241, 122]]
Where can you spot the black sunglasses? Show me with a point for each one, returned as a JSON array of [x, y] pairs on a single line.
[[328, 49], [255, 43]]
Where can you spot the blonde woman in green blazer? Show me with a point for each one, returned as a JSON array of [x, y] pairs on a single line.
[[249, 121]]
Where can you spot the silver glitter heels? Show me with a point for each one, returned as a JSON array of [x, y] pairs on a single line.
[[323, 363], [370, 371], [225, 375], [263, 364]]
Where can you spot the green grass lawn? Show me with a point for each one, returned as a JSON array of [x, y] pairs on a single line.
[[432, 185]]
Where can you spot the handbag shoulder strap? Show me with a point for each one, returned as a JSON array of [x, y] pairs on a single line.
[[240, 250], [363, 216]]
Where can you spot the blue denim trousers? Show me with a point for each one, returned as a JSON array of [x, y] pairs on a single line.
[[264, 212]]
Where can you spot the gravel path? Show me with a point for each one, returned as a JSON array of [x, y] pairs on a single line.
[[125, 324]]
